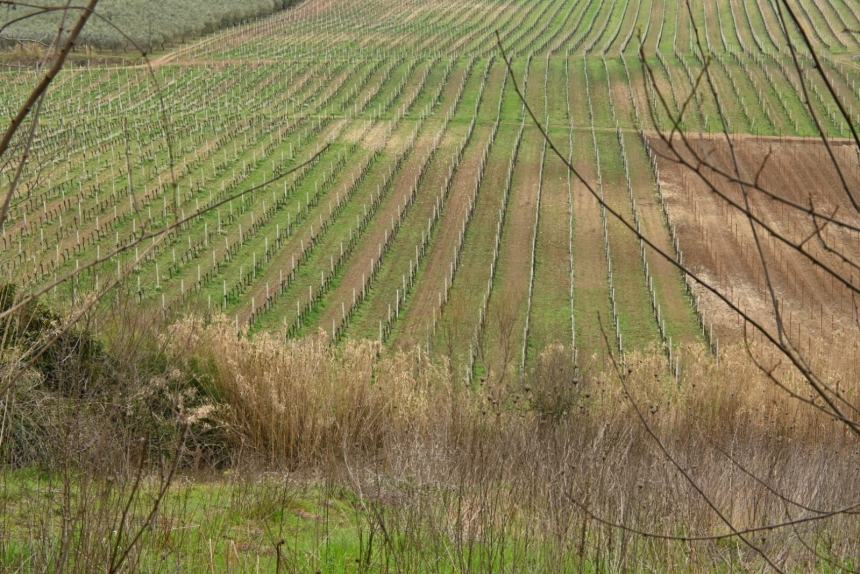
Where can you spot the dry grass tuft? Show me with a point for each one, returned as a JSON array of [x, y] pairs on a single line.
[[555, 454], [301, 402], [553, 473]]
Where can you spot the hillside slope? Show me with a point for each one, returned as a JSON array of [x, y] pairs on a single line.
[[151, 24]]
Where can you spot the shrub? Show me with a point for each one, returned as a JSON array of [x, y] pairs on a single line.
[[72, 397]]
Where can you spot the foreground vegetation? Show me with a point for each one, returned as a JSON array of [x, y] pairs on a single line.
[[261, 452]]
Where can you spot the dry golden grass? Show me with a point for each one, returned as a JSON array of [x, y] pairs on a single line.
[[299, 402], [556, 472], [549, 457]]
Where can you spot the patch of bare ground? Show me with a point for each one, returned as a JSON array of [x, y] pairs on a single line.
[[819, 312]]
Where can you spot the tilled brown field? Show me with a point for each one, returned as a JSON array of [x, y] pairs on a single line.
[[819, 311]]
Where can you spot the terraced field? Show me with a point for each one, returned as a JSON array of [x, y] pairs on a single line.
[[367, 168]]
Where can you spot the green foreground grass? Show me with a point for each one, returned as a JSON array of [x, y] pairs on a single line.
[[278, 523], [203, 525], [249, 524]]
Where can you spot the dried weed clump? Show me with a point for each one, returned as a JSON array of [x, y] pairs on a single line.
[[560, 469], [558, 443], [300, 402]]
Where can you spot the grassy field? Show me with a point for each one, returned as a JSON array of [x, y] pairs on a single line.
[[126, 25], [366, 173], [368, 240]]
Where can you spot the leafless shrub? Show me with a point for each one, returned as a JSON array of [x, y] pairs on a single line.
[[555, 385]]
